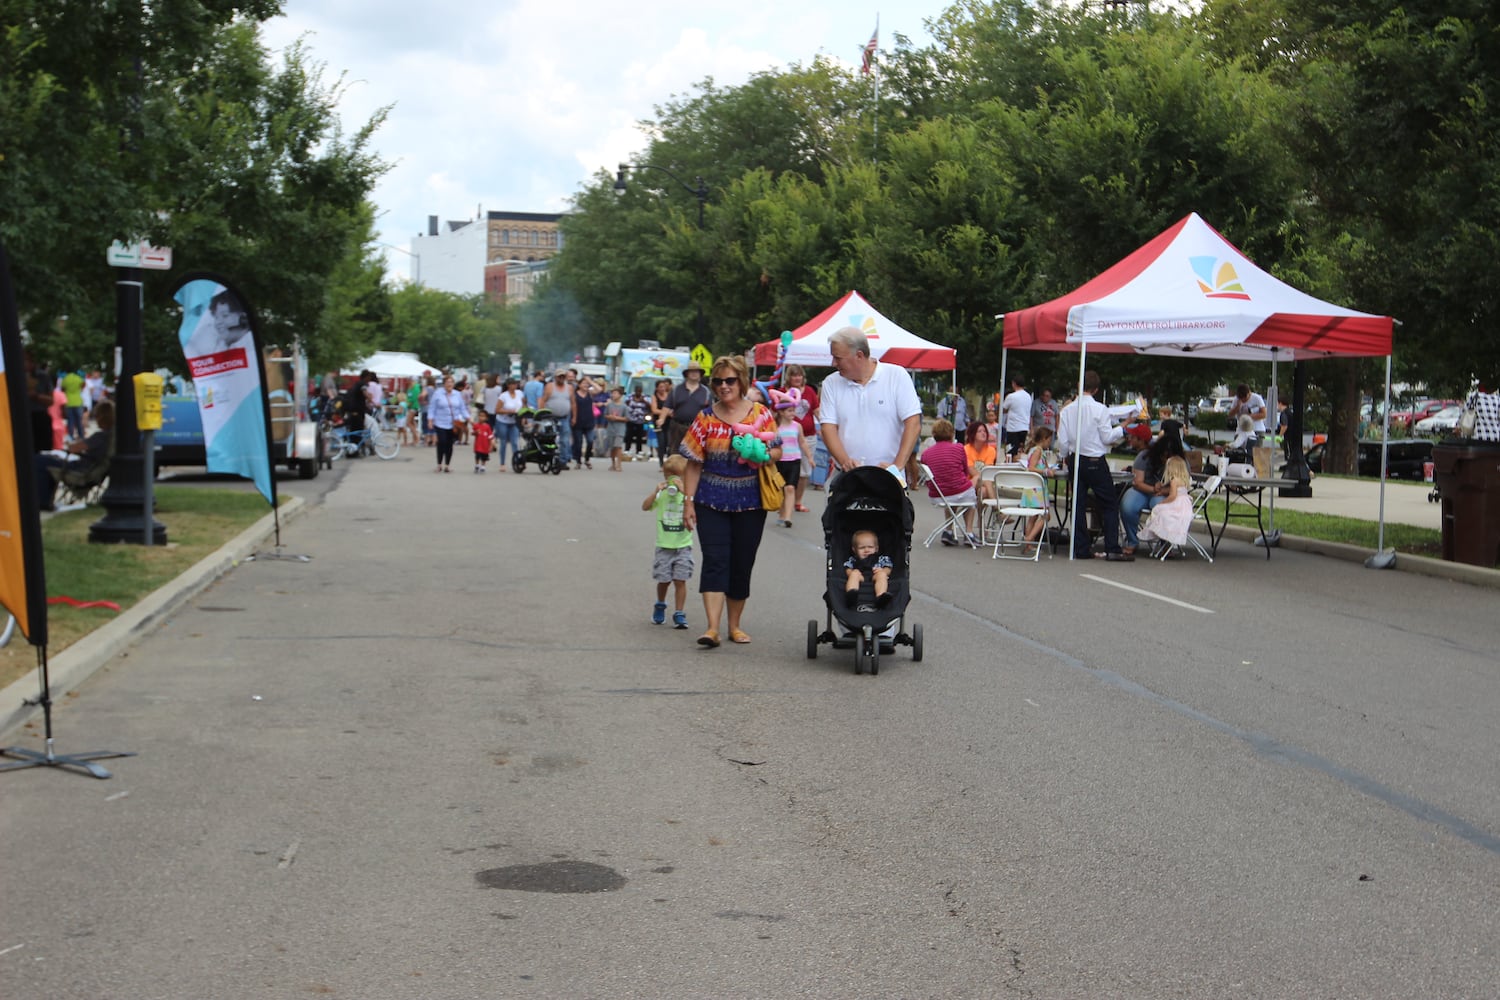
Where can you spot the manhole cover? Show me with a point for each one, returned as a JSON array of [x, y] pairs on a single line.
[[553, 876]]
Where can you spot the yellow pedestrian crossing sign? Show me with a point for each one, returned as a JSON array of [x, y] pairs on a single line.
[[701, 355]]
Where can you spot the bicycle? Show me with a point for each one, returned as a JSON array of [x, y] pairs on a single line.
[[340, 441]]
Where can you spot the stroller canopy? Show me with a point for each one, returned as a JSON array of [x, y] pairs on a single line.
[[868, 489]]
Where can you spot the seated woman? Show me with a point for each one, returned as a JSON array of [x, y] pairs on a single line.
[[79, 456], [1147, 487], [979, 451], [951, 477]]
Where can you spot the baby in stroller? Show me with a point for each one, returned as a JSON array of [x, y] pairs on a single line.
[[866, 592], [867, 565]]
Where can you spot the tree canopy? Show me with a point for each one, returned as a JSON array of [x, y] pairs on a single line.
[[1347, 148], [171, 122]]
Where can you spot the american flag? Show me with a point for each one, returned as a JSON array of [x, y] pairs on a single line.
[[868, 56]]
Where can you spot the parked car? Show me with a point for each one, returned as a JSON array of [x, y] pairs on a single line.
[[1423, 410], [1404, 459], [1440, 423], [1211, 411]]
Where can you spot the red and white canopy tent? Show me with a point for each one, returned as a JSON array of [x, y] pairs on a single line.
[[888, 342], [1190, 292]]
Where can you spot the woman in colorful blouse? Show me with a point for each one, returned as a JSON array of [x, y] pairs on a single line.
[[723, 495]]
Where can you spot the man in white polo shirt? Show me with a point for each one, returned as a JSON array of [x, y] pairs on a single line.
[[869, 410]]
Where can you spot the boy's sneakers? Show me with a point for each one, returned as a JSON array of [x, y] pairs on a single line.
[[679, 619], [659, 613]]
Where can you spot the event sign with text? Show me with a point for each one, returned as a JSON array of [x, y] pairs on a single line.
[[223, 360]]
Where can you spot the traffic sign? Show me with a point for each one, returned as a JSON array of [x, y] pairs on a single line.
[[139, 255]]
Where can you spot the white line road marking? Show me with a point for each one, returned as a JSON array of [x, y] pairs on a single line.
[[1147, 593]]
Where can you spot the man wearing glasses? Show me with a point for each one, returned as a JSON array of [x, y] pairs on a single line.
[[869, 410]]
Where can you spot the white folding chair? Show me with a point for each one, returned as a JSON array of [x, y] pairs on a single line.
[[954, 510], [1200, 494], [1012, 483], [989, 506]]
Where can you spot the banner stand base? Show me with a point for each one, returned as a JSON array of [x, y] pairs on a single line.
[[34, 758], [278, 554]]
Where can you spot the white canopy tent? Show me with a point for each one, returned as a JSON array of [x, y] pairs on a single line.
[[393, 364], [1190, 292], [888, 342]]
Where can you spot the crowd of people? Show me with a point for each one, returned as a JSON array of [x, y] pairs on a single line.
[[866, 413]]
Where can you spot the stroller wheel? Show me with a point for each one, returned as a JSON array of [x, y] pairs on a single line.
[[812, 639], [859, 655], [916, 644], [557, 466]]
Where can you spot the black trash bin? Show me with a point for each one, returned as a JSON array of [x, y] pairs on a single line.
[[1468, 478]]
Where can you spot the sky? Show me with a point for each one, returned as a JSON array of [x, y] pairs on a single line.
[[512, 105]]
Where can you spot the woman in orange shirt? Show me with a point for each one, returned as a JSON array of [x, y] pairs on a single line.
[[979, 449]]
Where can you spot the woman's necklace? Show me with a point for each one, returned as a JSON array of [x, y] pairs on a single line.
[[725, 413]]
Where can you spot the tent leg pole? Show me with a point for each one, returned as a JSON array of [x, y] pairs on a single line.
[[1083, 357], [1383, 558]]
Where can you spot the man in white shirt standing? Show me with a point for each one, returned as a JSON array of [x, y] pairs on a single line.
[[1017, 415], [869, 410], [1084, 427], [1249, 404]]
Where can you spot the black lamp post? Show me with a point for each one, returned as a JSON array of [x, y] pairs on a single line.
[[700, 192]]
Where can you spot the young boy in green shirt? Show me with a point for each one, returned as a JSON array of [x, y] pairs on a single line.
[[673, 559]]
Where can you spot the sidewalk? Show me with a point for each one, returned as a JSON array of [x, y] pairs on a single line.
[[1405, 501]]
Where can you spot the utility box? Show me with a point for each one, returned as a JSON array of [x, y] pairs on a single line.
[[148, 386], [1468, 480]]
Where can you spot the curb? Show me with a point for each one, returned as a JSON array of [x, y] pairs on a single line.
[[81, 660], [1477, 576]]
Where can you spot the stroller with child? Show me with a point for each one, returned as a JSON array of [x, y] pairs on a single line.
[[866, 499], [538, 442]]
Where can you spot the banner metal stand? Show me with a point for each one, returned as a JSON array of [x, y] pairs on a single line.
[[50, 758]]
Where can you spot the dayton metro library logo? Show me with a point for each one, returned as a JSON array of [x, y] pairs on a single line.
[[864, 324], [1217, 280]]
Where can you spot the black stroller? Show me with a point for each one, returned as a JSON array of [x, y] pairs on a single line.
[[866, 499], [538, 442]]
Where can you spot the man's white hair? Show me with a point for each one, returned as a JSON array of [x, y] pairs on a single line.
[[850, 338]]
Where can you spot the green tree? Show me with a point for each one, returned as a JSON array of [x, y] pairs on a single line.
[[168, 121], [77, 159]]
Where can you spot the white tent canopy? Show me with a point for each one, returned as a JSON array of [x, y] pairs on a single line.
[[888, 342], [393, 364], [1190, 292]]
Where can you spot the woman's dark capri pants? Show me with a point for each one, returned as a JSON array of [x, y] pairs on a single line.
[[728, 542]]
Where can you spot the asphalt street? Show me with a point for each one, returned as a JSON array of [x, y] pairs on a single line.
[[450, 757]]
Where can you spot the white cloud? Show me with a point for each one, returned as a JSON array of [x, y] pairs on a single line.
[[514, 105]]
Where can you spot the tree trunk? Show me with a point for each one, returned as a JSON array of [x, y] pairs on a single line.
[[1342, 452]]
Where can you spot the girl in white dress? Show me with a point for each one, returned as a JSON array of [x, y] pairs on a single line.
[[1171, 519]]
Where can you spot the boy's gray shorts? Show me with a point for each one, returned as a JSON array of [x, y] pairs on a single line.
[[672, 564]]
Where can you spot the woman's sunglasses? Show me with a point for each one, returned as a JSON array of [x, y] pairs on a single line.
[[728, 380]]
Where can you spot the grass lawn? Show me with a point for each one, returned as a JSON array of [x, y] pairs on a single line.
[[1349, 530], [198, 522]]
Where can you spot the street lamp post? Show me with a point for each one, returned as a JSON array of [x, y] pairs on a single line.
[[700, 192]]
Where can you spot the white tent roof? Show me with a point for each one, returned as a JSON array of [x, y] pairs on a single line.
[[393, 364], [1191, 292], [888, 342]]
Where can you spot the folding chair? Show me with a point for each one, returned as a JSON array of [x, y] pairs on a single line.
[[1012, 483], [954, 511], [1200, 494], [80, 487], [989, 507]]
